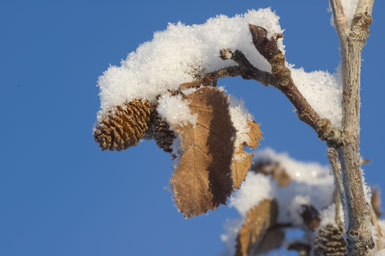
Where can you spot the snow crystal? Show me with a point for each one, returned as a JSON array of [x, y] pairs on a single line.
[[175, 110], [323, 91], [310, 183], [175, 55], [239, 117], [255, 188]]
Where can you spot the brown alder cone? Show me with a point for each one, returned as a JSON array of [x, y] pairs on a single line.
[[274, 169], [254, 236], [161, 131], [242, 160], [202, 180], [124, 126], [329, 241]]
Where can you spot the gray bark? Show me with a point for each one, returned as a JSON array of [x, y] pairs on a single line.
[[352, 39]]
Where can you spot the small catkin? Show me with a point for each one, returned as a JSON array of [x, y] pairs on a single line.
[[125, 126], [329, 241], [161, 132]]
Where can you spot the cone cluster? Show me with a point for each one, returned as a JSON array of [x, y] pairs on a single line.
[[329, 241], [124, 126]]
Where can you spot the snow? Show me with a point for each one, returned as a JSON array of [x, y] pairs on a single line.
[[239, 117], [255, 188], [178, 54], [310, 183], [323, 91], [328, 215], [175, 110], [182, 54]]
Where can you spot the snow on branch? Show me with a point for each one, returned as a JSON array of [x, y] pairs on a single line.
[[192, 55], [182, 54]]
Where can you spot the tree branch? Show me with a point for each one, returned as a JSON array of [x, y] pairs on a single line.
[[340, 196], [280, 78], [352, 40], [340, 21]]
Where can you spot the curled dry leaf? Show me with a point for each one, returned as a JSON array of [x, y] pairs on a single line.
[[202, 179], [124, 126], [254, 236], [241, 161]]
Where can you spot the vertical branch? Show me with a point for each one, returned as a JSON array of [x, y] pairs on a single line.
[[352, 40], [340, 20], [336, 168]]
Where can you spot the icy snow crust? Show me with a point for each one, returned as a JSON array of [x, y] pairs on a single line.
[[181, 53]]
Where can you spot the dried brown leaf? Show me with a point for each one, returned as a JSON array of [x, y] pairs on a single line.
[[272, 240], [202, 179], [254, 229], [242, 160]]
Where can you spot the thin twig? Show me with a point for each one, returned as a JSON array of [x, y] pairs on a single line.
[[336, 167], [340, 20], [268, 48]]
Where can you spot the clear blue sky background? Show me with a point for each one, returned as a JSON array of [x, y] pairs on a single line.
[[60, 195]]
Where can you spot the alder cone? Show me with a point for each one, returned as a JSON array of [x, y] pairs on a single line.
[[254, 236], [202, 180], [124, 126], [162, 132], [329, 241]]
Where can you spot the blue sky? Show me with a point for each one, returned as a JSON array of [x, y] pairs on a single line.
[[60, 195]]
